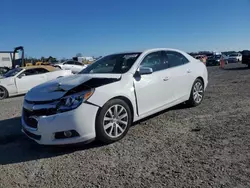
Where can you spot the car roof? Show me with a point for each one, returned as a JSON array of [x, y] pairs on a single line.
[[151, 50], [47, 67]]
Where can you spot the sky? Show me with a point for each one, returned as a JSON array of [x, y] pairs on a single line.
[[62, 28]]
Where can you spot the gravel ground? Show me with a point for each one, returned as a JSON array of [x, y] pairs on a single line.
[[206, 146]]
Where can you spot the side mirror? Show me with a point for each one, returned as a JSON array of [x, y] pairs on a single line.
[[21, 75], [145, 70]]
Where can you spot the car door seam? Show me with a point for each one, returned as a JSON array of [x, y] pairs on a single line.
[[136, 102]]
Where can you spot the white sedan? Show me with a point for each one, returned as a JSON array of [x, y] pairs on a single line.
[[74, 66], [19, 80], [103, 100]]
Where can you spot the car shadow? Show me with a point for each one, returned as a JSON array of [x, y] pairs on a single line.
[[236, 68], [15, 147], [177, 107], [16, 96]]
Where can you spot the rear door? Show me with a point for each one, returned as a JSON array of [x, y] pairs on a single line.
[[30, 78], [180, 73], [68, 65]]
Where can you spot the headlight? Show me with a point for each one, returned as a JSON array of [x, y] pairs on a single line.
[[73, 101]]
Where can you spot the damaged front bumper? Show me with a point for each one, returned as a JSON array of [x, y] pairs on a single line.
[[69, 127]]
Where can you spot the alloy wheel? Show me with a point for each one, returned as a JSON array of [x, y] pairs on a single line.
[[198, 92], [115, 121]]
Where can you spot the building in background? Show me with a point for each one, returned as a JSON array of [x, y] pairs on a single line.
[[81, 59], [6, 58]]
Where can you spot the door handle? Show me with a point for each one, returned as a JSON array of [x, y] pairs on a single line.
[[166, 78], [189, 71]]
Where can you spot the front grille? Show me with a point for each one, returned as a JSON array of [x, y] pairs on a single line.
[[39, 102], [27, 117], [31, 135]]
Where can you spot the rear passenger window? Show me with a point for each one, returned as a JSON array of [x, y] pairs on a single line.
[[175, 59]]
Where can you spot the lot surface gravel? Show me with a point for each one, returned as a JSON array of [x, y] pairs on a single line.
[[206, 146]]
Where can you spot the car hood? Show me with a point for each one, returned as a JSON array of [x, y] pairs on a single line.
[[57, 88], [4, 80]]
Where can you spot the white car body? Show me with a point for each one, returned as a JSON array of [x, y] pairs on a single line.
[[21, 83], [235, 57], [74, 66], [146, 96]]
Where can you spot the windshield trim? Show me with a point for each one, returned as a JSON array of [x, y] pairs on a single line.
[[12, 70], [87, 70]]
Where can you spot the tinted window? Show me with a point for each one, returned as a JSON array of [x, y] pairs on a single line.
[[175, 59], [153, 60], [78, 63], [69, 63], [41, 70], [116, 64], [30, 72], [5, 59]]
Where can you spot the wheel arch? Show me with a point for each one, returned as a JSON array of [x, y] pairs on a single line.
[[199, 77], [125, 99]]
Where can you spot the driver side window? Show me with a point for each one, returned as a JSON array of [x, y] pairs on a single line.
[[69, 63], [154, 61], [31, 72]]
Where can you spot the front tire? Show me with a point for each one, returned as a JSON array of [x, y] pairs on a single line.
[[3, 93], [113, 121], [197, 93]]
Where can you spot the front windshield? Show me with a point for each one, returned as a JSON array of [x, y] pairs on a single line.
[[12, 72], [112, 64]]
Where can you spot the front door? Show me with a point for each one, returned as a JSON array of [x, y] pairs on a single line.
[[153, 90]]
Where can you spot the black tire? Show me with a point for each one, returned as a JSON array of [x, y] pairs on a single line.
[[192, 102], [3, 93], [101, 134]]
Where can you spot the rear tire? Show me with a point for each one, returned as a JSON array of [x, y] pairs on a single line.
[[113, 121], [196, 94], [3, 93]]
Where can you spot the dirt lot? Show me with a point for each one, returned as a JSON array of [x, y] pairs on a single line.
[[206, 146]]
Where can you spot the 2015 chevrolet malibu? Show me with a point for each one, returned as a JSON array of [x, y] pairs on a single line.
[[103, 100]]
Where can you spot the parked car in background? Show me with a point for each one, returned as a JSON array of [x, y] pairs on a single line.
[[20, 80], [202, 58], [72, 65], [103, 100], [246, 57], [235, 57], [214, 60]]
